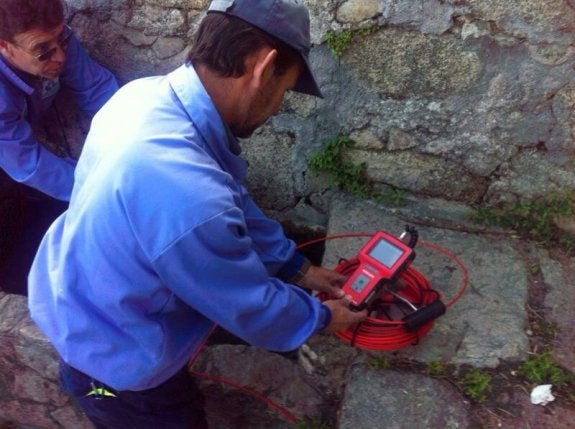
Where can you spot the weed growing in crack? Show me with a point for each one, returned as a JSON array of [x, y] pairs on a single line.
[[382, 362], [535, 219], [339, 42], [314, 424], [347, 176], [541, 368], [436, 368], [476, 384], [547, 330]]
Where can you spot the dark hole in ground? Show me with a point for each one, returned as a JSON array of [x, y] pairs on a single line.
[[25, 215], [303, 235]]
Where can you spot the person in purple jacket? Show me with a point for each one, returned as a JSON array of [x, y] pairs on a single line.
[[39, 55]]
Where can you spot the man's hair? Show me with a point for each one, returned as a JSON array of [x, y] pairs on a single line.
[[224, 42], [19, 16]]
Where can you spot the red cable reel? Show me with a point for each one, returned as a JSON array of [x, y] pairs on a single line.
[[402, 305], [387, 327]]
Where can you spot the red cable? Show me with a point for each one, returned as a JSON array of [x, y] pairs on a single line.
[[380, 334], [281, 410], [289, 417], [455, 259]]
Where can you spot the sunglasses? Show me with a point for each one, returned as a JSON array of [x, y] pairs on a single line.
[[62, 42]]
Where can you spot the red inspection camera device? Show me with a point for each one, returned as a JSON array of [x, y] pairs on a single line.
[[381, 261]]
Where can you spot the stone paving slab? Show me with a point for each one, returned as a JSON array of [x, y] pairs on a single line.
[[397, 400], [487, 324], [559, 278], [224, 371]]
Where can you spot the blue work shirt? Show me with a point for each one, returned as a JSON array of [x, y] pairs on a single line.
[[22, 157], [160, 241]]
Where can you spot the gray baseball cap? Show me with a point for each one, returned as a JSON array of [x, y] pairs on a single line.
[[287, 20]]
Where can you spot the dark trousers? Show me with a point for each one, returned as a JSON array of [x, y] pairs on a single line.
[[25, 215], [175, 404]]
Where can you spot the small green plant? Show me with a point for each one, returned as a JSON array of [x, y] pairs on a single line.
[[541, 368], [315, 423], [338, 42], [534, 269], [535, 219], [381, 362], [547, 330], [476, 384], [567, 242], [392, 196], [436, 368], [345, 175]]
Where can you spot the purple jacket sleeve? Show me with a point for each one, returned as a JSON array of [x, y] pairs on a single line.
[[26, 160], [92, 84]]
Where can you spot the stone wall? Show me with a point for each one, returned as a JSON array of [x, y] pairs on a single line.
[[465, 100]]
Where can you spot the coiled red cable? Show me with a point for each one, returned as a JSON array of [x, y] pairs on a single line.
[[382, 331]]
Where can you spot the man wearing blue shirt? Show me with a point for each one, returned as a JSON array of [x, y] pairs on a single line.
[[39, 54], [162, 241]]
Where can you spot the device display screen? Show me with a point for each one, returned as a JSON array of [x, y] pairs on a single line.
[[360, 283], [385, 253]]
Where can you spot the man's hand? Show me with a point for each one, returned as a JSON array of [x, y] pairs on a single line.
[[341, 316], [323, 280], [328, 281]]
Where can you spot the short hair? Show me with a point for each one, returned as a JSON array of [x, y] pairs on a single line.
[[223, 43], [20, 16]]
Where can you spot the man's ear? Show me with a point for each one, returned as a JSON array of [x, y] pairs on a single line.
[[264, 66], [3, 46], [6, 49]]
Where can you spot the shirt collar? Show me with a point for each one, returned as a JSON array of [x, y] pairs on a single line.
[[199, 106], [14, 77]]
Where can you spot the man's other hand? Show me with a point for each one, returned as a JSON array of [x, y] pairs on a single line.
[[341, 315], [323, 280]]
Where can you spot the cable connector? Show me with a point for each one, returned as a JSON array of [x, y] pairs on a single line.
[[426, 314], [413, 235]]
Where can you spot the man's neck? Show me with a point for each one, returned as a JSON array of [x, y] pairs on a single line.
[[224, 92], [29, 78]]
